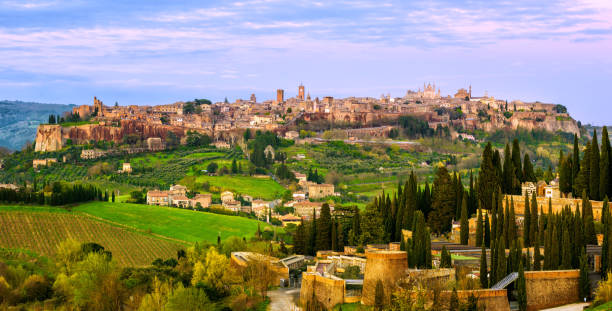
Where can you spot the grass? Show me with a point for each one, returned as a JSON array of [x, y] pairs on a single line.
[[41, 229], [605, 306], [181, 224], [266, 189]]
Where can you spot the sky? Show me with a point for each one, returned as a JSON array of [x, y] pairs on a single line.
[[158, 52]]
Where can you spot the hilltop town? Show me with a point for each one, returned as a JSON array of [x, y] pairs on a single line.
[[224, 121]]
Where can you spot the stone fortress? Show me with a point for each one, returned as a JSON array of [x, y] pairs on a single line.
[[226, 121], [545, 289]]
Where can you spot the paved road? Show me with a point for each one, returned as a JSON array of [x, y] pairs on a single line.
[[572, 307], [283, 299]]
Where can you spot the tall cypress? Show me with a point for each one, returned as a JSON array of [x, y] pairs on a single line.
[[575, 160], [604, 164], [501, 261], [508, 173], [527, 222], [479, 229], [487, 178], [605, 247], [464, 226], [487, 231], [595, 173], [484, 280], [512, 223], [528, 172], [516, 160], [324, 229], [566, 256], [587, 218], [536, 257]]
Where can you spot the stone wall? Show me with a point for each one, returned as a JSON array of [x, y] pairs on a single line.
[[488, 299], [557, 205], [387, 266], [547, 289], [328, 291]]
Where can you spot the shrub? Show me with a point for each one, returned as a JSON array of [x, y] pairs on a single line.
[[603, 293]]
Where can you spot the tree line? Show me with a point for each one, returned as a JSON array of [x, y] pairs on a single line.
[[59, 194]]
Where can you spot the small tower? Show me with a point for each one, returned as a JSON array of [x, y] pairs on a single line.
[[280, 96], [301, 92]]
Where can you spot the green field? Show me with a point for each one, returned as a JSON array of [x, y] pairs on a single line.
[[181, 224], [42, 229], [605, 306], [266, 189]]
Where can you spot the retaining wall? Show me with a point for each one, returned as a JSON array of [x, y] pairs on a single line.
[[547, 289]]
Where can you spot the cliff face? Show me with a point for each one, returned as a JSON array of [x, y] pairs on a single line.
[[53, 137], [48, 138]]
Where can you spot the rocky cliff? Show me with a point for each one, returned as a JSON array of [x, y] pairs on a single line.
[[52, 137]]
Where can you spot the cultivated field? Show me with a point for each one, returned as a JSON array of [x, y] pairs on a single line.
[[266, 189], [42, 229], [176, 223]]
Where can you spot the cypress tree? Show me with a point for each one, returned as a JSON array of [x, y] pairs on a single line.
[[516, 160], [334, 236], [512, 223], [487, 178], [554, 247], [604, 164], [533, 224], [594, 176], [528, 172], [537, 258], [484, 280], [113, 196], [584, 283], [566, 257], [575, 160], [578, 239], [501, 261], [589, 225], [581, 183], [527, 221], [445, 258], [299, 246], [465, 226], [521, 288], [565, 173], [508, 173], [605, 247], [487, 231], [479, 229]]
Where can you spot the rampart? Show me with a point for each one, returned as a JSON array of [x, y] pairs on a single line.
[[329, 291], [547, 289], [488, 299], [386, 266], [557, 205]]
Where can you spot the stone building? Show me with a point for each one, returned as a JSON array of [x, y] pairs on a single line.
[[36, 163], [316, 191]]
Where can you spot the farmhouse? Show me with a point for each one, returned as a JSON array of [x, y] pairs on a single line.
[[36, 163], [155, 197], [89, 154], [203, 199], [232, 205], [227, 196], [305, 208], [316, 191]]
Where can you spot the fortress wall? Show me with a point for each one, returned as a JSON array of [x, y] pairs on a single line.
[[547, 289], [387, 266], [557, 205], [327, 291], [488, 299]]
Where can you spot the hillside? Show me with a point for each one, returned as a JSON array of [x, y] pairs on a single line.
[[181, 224], [19, 120], [42, 229]]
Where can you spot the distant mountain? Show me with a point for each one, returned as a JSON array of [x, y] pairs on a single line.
[[19, 120]]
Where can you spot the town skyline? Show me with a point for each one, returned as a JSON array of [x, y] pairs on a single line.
[[155, 53]]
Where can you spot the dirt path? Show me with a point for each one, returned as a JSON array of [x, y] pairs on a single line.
[[283, 299]]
